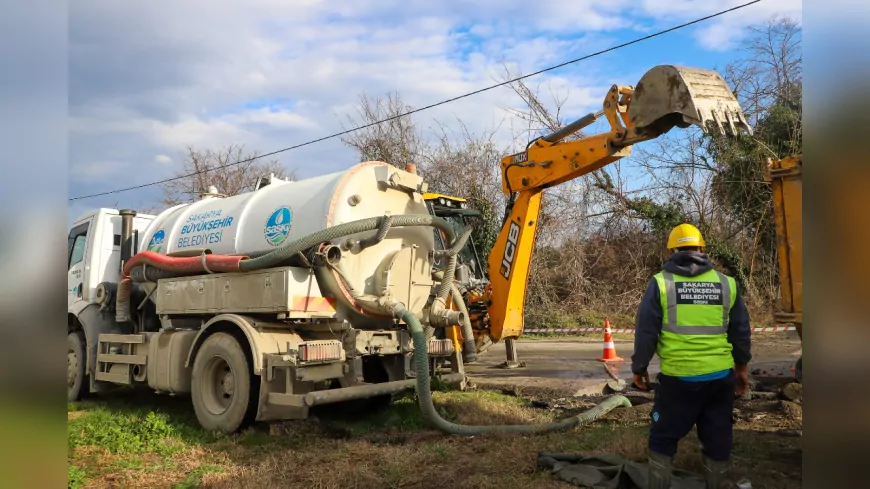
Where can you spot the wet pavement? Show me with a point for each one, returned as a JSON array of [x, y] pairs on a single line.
[[572, 365]]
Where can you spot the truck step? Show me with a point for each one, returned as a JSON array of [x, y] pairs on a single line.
[[122, 338], [119, 358], [114, 378]]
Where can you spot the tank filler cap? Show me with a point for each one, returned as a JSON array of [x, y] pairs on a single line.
[[269, 180], [211, 193]]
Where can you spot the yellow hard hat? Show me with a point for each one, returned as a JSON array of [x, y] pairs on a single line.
[[685, 235]]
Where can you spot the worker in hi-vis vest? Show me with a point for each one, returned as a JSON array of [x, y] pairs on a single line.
[[693, 317]]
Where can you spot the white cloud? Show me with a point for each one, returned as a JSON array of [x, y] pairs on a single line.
[[152, 78], [724, 32]]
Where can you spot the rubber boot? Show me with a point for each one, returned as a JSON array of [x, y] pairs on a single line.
[[660, 467], [716, 474]]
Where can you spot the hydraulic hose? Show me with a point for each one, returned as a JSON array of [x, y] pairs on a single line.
[[469, 349], [424, 394], [440, 315], [450, 271], [287, 251]]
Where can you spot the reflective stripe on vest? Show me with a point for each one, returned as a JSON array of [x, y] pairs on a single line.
[[671, 297], [696, 310]]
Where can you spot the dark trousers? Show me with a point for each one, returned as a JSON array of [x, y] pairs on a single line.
[[680, 405]]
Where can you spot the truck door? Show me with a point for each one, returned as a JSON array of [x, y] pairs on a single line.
[[77, 248]]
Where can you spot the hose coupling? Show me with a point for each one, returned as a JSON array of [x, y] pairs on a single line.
[[444, 318], [381, 305], [324, 254]]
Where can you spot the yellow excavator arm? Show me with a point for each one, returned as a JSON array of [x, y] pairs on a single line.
[[666, 96]]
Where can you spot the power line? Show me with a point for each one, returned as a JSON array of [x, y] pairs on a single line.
[[421, 109]]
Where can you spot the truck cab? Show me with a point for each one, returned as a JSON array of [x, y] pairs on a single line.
[[94, 251]]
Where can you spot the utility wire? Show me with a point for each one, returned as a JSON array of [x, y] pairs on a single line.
[[421, 109]]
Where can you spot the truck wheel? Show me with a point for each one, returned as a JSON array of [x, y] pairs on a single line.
[[75, 366], [221, 385]]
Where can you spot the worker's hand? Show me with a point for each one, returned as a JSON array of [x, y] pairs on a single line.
[[641, 381], [742, 380]]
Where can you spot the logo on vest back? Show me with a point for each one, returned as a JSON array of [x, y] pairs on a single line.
[[701, 293]]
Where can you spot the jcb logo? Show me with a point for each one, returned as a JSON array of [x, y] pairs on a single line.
[[510, 250], [520, 157]]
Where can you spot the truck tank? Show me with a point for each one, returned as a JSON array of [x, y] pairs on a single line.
[[257, 222]]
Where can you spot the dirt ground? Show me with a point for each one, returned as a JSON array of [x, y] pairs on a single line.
[[153, 441]]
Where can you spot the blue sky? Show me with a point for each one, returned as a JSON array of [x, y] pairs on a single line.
[[148, 79]]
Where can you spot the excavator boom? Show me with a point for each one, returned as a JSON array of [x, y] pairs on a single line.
[[665, 97]]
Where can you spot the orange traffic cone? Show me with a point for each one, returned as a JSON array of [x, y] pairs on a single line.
[[609, 348]]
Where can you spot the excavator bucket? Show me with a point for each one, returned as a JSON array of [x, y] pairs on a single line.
[[668, 96]]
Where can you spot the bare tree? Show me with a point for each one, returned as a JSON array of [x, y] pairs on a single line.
[[396, 141], [772, 68], [219, 168]]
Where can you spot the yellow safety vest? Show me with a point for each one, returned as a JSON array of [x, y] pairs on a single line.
[[695, 317]]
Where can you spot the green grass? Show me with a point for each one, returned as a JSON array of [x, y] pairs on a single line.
[[132, 434], [136, 431], [156, 442], [440, 449], [76, 477]]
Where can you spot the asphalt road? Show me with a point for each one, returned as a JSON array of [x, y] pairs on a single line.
[[572, 365]]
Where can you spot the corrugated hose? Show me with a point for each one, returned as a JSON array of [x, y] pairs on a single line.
[[424, 394]]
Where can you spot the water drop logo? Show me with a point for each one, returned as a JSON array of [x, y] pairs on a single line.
[[156, 243], [278, 226]]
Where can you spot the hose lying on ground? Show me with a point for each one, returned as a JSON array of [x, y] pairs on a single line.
[[424, 394]]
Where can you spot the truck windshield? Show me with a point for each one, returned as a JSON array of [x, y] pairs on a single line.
[[467, 254]]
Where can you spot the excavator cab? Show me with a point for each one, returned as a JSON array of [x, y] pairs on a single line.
[[455, 210]]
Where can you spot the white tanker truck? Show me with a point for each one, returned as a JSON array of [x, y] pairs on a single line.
[[262, 305]]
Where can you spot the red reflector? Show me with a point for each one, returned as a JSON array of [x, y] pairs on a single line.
[[319, 351]]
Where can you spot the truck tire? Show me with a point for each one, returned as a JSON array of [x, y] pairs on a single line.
[[75, 366], [221, 385]]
